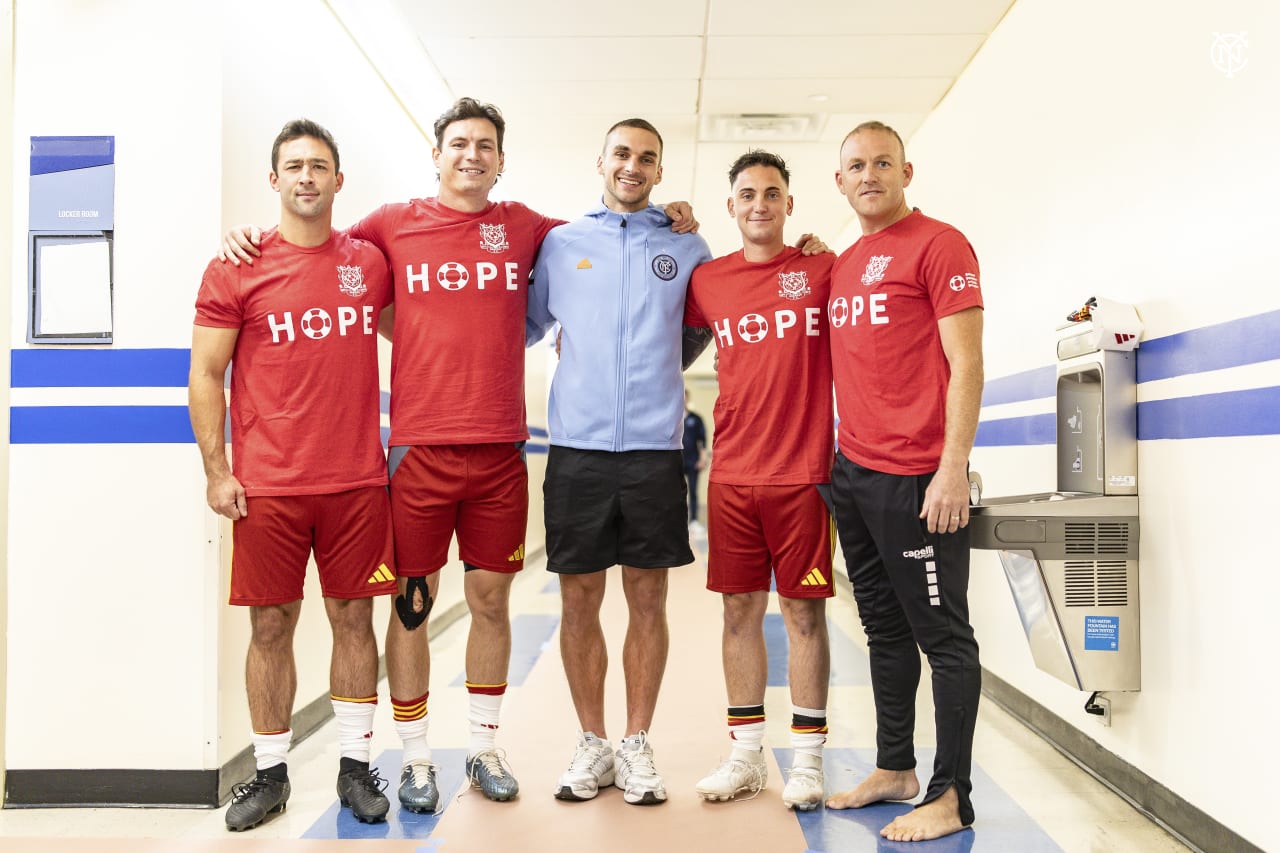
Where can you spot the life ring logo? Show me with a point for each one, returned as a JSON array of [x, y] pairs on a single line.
[[1227, 53], [664, 267]]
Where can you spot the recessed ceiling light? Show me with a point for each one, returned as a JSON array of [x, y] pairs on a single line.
[[820, 97]]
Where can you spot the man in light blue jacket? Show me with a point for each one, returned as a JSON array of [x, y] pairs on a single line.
[[614, 492]]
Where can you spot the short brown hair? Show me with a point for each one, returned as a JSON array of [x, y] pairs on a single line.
[[465, 108], [759, 157], [297, 129], [639, 124]]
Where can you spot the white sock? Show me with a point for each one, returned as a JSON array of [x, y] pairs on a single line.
[[808, 734], [271, 748], [355, 726], [484, 710]]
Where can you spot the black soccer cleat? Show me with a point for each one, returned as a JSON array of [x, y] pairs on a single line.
[[252, 802], [360, 789]]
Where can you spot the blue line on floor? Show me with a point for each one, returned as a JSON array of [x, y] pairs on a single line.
[[337, 822], [530, 634], [1001, 824], [849, 665]]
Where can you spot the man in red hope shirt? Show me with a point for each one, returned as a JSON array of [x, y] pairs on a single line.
[[300, 332], [906, 351], [766, 308], [461, 265]]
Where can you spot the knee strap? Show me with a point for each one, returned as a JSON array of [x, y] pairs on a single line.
[[409, 617]]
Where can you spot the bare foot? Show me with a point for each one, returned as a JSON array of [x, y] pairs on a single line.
[[931, 820], [879, 786]]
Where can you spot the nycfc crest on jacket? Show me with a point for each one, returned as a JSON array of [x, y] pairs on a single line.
[[461, 289]]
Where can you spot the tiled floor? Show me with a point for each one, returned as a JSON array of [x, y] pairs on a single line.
[[1028, 797]]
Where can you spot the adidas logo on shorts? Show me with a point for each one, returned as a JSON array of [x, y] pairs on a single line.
[[814, 578], [382, 575], [516, 555]]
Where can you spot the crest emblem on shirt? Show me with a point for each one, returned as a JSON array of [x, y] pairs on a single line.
[[875, 269], [351, 281], [493, 238], [793, 285], [664, 267]]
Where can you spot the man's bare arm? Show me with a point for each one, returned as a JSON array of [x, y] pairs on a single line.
[[211, 350], [946, 501]]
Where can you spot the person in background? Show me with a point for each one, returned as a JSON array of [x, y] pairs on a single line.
[[696, 453]]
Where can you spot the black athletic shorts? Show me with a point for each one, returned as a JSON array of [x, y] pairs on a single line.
[[604, 509]]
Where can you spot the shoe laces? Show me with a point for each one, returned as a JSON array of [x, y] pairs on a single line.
[[420, 772], [493, 760], [369, 780], [587, 754], [250, 789], [811, 775], [639, 757], [756, 772]]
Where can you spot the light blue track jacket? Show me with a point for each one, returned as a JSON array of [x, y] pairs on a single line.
[[616, 283]]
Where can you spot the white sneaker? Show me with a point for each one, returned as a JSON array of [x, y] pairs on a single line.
[[733, 777], [804, 791], [639, 780], [592, 766]]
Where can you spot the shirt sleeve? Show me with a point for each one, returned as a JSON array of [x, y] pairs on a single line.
[[950, 271], [693, 317], [538, 319], [218, 303], [373, 228]]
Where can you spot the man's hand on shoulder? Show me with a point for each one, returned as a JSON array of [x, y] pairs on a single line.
[[811, 244], [240, 243], [681, 215]]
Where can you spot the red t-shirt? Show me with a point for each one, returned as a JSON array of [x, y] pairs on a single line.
[[773, 417], [461, 289], [888, 291], [304, 373]]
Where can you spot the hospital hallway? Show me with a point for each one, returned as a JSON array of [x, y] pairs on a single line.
[[1028, 797]]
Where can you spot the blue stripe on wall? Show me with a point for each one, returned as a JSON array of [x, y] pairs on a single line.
[[100, 368], [1027, 385], [1248, 340], [1008, 432], [100, 425], [1255, 411]]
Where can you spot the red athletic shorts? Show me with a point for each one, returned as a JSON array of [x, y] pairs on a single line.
[[350, 533], [481, 491], [757, 531]]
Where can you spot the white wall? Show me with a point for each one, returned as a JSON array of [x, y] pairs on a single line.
[[1092, 149], [117, 570], [108, 607]]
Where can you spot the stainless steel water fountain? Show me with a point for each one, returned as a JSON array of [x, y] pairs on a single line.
[[1071, 556]]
